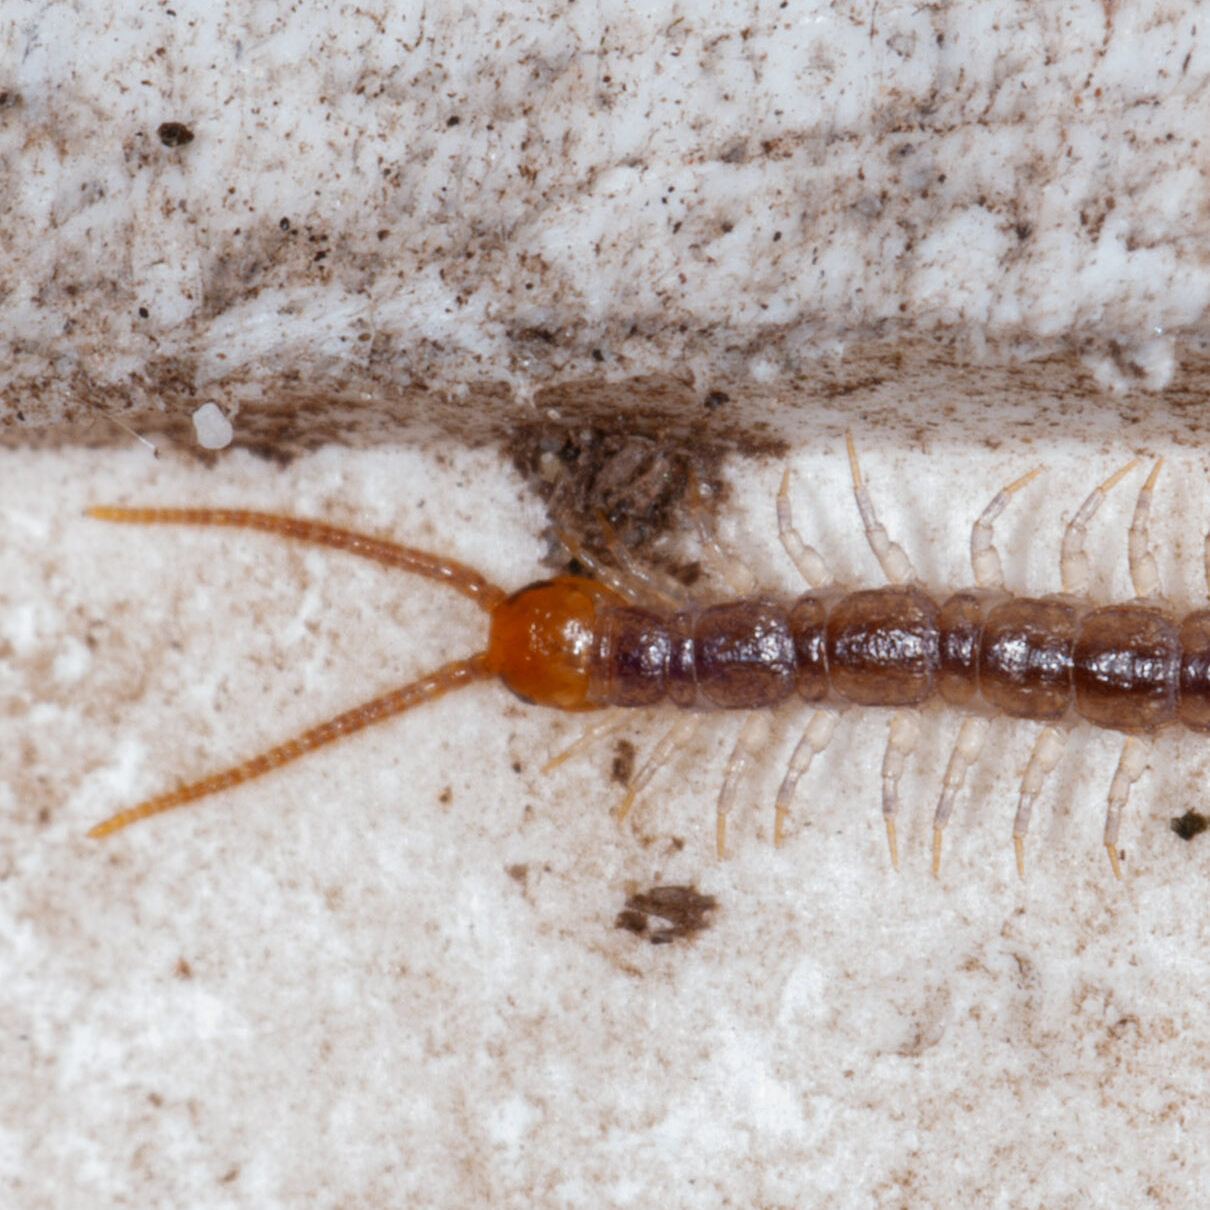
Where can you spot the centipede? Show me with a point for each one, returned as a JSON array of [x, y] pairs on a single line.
[[617, 639]]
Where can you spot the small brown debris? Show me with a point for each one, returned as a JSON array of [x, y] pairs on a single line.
[[175, 134], [684, 908], [1189, 825], [623, 762]]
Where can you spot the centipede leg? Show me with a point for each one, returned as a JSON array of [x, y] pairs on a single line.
[[810, 563], [1131, 766], [966, 751], [627, 578], [723, 563], [1048, 749], [751, 740], [985, 559], [614, 720], [892, 558], [1144, 574], [679, 734], [901, 743], [1074, 569], [815, 739]]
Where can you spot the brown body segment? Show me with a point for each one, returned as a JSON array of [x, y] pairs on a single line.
[[1025, 666], [1126, 664], [882, 647], [745, 655], [1129, 668], [631, 659], [809, 626], [960, 628], [739, 655], [1193, 702]]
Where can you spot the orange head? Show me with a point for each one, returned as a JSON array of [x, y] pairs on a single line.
[[542, 641]]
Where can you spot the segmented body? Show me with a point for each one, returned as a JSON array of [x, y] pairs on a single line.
[[1131, 668], [576, 644]]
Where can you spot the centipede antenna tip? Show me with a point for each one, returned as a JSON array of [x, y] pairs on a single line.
[[446, 679], [720, 836], [936, 852], [1019, 849], [1155, 474]]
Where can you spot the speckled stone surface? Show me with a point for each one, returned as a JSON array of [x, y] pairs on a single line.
[[392, 974], [407, 219]]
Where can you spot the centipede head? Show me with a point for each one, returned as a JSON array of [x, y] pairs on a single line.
[[542, 641]]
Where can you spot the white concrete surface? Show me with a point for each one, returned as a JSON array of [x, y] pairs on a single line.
[[390, 974]]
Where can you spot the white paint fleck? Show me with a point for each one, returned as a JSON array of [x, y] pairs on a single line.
[[213, 429]]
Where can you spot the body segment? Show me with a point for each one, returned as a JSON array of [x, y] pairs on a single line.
[[1123, 668]]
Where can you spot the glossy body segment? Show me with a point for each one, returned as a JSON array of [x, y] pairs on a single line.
[[1193, 687], [959, 635], [744, 655], [1024, 668], [1126, 664], [883, 647], [1124, 667]]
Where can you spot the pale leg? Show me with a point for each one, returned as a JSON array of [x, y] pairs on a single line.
[[1144, 574], [614, 720], [1133, 764], [900, 744], [985, 559], [892, 558], [810, 563], [628, 579], [966, 751], [679, 734], [1073, 562], [814, 740], [752, 738], [724, 564], [1046, 754]]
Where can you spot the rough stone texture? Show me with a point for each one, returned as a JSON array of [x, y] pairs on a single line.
[[395, 974], [360, 222]]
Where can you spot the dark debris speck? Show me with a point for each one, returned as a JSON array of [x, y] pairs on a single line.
[[684, 908], [1189, 825], [175, 134]]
